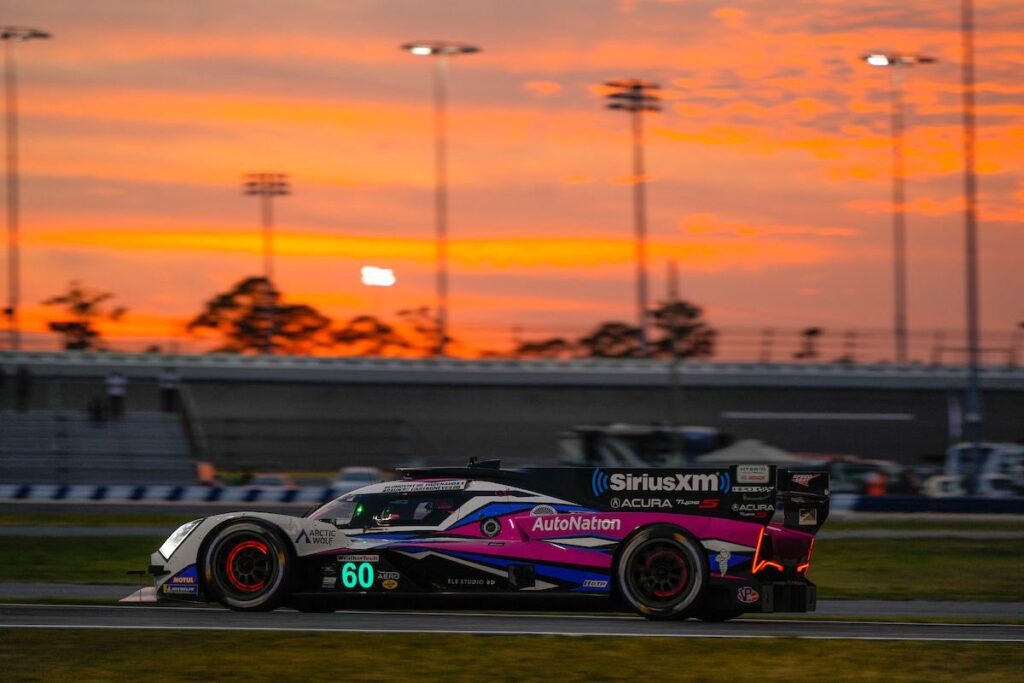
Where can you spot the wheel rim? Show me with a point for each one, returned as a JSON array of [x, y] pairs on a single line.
[[659, 573], [249, 566]]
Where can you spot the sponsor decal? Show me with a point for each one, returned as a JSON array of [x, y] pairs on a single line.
[[575, 523], [170, 589], [595, 583], [804, 479], [316, 536], [388, 576], [425, 486], [709, 504], [490, 527], [752, 474], [329, 582], [620, 481], [722, 560], [358, 558], [641, 503], [808, 517], [186, 577], [747, 595], [389, 584], [753, 509], [471, 582], [752, 489]]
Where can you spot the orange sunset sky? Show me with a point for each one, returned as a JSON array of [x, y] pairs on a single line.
[[769, 165]]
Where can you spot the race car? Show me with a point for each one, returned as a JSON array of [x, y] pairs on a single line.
[[668, 544]]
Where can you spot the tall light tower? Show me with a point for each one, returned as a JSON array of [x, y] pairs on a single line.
[[636, 96], [441, 51], [12, 35], [266, 186], [973, 414], [895, 64]]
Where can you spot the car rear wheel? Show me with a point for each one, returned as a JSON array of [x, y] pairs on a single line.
[[660, 573], [246, 568]]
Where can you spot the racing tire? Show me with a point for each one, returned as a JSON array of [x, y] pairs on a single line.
[[246, 568], [660, 573]]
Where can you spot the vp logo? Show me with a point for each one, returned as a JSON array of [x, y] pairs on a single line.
[[599, 482]]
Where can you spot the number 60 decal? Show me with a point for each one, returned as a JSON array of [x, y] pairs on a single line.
[[353, 575]]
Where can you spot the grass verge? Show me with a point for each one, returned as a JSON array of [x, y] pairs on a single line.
[[78, 559], [918, 569], [93, 519], [82, 656]]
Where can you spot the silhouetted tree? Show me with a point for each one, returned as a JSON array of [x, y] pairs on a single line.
[[368, 336], [426, 333], [251, 318], [683, 333], [556, 347], [84, 307], [612, 340]]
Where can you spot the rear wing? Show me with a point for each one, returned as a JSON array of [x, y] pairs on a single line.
[[752, 493], [804, 498]]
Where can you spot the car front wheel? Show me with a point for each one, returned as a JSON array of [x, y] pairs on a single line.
[[246, 568]]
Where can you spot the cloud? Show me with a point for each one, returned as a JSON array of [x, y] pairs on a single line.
[[542, 88], [706, 224]]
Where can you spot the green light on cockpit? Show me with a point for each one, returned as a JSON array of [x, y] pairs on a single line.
[[359, 509]]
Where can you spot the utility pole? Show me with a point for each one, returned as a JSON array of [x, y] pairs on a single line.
[[636, 97], [973, 413]]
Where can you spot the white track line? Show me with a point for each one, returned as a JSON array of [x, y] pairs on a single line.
[[513, 615]]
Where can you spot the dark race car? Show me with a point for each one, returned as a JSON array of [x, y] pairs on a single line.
[[668, 543]]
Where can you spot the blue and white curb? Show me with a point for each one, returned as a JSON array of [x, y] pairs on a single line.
[[311, 495], [165, 493]]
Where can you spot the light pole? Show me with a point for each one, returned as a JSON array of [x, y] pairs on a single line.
[[266, 186], [635, 96], [973, 414], [441, 51], [12, 35], [896, 63]]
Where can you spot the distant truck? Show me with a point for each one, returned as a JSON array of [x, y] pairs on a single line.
[[632, 445], [996, 470]]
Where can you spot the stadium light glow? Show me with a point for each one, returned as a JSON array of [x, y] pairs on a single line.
[[372, 276]]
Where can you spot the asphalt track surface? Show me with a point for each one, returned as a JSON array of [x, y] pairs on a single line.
[[360, 621]]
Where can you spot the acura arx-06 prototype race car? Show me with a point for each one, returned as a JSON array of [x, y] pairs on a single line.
[[706, 543]]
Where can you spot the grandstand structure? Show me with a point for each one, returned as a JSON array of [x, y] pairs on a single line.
[[319, 414]]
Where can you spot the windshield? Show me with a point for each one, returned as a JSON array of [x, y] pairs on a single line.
[[356, 511]]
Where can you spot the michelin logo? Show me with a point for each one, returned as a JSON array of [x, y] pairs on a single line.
[[601, 482], [575, 523]]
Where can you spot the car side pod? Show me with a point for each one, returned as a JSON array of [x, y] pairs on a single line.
[[143, 596]]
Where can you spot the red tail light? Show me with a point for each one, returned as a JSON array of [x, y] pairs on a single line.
[[801, 568], [764, 548]]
